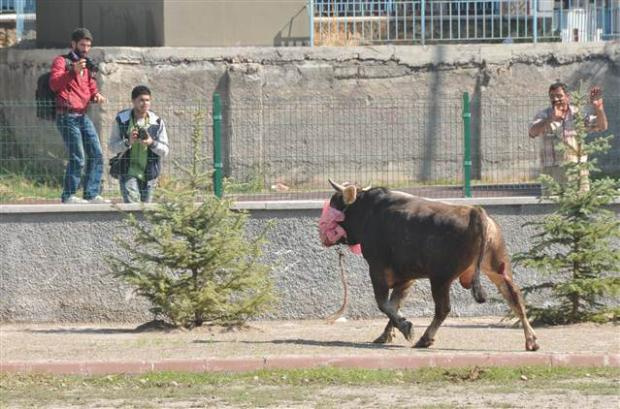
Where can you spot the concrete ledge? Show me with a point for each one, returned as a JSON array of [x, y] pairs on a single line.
[[71, 208], [136, 207], [244, 205], [254, 205], [416, 361], [416, 55]]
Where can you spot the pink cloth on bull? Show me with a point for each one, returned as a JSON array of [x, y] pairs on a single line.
[[329, 229]]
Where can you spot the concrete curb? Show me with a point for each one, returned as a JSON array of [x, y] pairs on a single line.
[[425, 360], [255, 205]]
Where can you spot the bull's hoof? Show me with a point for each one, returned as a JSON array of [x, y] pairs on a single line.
[[424, 343], [384, 338], [406, 328], [531, 345]]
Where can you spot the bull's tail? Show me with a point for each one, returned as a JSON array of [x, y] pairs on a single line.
[[476, 288]]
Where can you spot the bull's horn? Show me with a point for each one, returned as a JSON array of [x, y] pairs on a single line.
[[336, 186], [367, 188]]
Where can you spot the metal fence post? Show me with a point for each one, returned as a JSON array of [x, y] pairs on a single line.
[[310, 7], [535, 20], [218, 185], [423, 20], [19, 20], [467, 146]]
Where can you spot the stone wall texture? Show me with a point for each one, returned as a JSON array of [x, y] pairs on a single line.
[[53, 268]]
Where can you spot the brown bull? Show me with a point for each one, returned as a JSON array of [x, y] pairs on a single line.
[[404, 238]]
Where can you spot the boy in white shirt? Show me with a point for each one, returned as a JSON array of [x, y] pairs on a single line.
[[140, 140]]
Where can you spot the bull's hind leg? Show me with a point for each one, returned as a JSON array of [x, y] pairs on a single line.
[[381, 288], [398, 295], [496, 266], [501, 276], [441, 296]]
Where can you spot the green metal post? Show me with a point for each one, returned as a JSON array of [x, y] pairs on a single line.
[[218, 167], [423, 21], [535, 20], [467, 147]]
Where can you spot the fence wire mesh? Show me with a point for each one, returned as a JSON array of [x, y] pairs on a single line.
[[33, 156], [290, 148], [287, 149]]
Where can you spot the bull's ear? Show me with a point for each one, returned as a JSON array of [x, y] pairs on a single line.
[[336, 186], [349, 194]]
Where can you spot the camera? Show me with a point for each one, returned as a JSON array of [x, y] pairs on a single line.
[[143, 135], [75, 56], [91, 65]]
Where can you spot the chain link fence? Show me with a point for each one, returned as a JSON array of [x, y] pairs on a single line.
[[274, 149], [33, 157]]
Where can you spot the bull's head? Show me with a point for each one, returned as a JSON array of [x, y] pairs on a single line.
[[345, 195], [334, 226]]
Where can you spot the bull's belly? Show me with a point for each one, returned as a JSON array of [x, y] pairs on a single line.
[[405, 272]]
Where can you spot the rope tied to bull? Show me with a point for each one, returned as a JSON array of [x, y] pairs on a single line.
[[333, 317]]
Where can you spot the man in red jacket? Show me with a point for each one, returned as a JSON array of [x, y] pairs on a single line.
[[72, 80]]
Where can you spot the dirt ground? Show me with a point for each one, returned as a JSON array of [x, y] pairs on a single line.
[[352, 397], [109, 342]]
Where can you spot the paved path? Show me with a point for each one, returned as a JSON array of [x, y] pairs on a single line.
[[105, 348]]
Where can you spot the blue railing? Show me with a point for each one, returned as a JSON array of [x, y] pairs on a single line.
[[24, 13], [11, 6], [362, 22], [359, 22], [350, 8]]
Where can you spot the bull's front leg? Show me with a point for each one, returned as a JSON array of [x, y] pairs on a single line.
[[399, 293], [388, 307], [387, 336]]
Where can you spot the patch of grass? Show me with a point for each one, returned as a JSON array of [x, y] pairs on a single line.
[[19, 187], [252, 186], [254, 182], [542, 373], [316, 376], [265, 388], [22, 187]]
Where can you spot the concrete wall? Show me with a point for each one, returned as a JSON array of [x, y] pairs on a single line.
[[55, 22], [155, 23], [117, 23], [370, 114], [235, 23], [53, 265]]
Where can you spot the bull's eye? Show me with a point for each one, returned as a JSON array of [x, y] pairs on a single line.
[[337, 202]]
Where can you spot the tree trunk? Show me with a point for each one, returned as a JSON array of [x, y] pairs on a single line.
[[574, 297]]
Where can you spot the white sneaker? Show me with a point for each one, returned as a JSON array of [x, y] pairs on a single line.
[[98, 200], [75, 200]]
